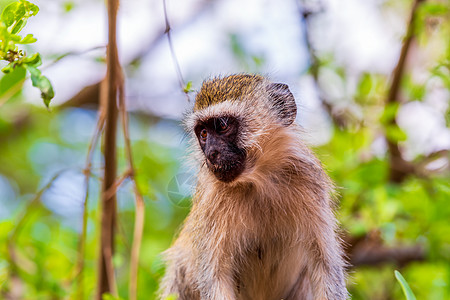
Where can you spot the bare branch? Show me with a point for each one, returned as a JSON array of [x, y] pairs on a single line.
[[172, 52], [82, 239], [370, 250], [140, 206], [399, 167], [72, 53], [117, 183], [106, 278]]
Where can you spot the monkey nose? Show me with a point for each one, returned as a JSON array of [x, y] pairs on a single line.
[[213, 156]]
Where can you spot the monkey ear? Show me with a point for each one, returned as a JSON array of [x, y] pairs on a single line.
[[283, 102]]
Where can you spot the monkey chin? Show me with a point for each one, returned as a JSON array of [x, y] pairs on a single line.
[[226, 172]]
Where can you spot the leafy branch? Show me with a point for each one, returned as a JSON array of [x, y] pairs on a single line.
[[13, 19]]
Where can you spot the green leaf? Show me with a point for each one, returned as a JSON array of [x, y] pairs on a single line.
[[18, 26], [15, 37], [46, 88], [365, 84], [35, 74], [42, 83], [12, 79], [68, 6], [8, 69], [390, 111], [4, 34], [395, 133], [8, 14], [405, 287], [19, 13], [188, 87], [33, 8], [33, 60], [29, 39], [435, 9]]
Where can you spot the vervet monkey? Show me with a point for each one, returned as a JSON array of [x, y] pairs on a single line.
[[262, 224]]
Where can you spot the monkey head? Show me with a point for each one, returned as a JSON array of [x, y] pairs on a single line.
[[231, 117]]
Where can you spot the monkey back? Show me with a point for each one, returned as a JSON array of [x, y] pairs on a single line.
[[232, 87]]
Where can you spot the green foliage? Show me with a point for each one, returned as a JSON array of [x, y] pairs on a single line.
[[188, 87], [110, 297], [36, 145], [406, 289], [13, 19], [68, 6]]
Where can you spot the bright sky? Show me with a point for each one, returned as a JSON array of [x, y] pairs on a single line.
[[362, 35]]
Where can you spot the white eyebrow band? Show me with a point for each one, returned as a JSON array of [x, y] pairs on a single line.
[[230, 108]]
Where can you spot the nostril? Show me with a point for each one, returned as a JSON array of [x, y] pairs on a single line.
[[213, 156]]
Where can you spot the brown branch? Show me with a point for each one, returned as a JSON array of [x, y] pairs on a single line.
[[106, 280], [172, 52], [117, 183], [400, 256], [370, 250], [140, 206], [82, 238], [338, 118], [399, 167]]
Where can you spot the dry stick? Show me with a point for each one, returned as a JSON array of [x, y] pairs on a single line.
[[140, 206], [399, 168], [82, 239], [106, 280], [172, 52]]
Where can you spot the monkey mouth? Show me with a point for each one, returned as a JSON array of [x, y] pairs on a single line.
[[226, 172]]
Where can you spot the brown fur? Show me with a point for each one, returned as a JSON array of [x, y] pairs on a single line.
[[218, 90], [269, 234]]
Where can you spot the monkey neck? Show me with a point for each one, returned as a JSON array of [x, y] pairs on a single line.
[[285, 180]]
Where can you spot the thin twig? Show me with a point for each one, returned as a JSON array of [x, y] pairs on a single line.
[[117, 183], [174, 56], [82, 239], [140, 206], [71, 53]]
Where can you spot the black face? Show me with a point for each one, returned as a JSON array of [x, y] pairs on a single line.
[[218, 139]]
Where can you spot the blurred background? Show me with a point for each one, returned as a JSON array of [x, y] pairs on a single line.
[[385, 144]]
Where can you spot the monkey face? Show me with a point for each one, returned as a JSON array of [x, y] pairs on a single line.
[[218, 139]]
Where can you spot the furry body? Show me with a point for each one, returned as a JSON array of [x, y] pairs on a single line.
[[268, 234]]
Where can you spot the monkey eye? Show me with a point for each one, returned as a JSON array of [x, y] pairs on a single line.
[[223, 126], [203, 133]]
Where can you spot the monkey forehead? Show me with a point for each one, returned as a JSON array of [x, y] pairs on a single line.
[[229, 88], [225, 108]]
